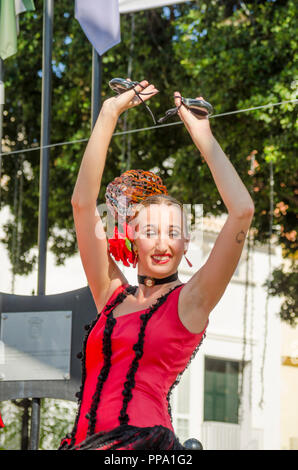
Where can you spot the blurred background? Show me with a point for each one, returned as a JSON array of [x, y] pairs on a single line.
[[239, 391]]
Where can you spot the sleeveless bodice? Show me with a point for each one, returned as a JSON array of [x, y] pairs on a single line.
[[167, 349]]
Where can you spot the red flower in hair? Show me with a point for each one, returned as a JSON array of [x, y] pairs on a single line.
[[120, 245]]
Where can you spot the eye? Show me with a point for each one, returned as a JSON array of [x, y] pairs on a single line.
[[150, 233], [174, 233]]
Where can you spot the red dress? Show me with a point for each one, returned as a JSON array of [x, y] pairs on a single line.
[[167, 349]]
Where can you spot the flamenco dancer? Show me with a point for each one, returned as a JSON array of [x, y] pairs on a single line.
[[145, 336]]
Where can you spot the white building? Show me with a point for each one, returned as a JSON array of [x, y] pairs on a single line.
[[289, 388], [237, 330], [205, 403]]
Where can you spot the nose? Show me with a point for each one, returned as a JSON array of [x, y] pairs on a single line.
[[162, 243]]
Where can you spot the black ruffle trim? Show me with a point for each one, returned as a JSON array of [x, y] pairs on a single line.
[[82, 355], [127, 437]]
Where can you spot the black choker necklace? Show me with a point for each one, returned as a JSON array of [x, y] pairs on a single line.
[[153, 281]]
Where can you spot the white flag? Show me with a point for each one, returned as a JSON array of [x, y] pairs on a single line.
[[126, 6], [100, 21], [9, 11]]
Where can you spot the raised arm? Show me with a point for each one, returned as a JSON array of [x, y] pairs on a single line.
[[207, 285], [102, 272]]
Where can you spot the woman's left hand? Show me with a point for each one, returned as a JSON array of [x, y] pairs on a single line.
[[193, 123]]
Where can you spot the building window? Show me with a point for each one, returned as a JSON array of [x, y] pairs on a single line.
[[221, 400]]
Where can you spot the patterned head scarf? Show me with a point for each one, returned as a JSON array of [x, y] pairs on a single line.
[[123, 195]]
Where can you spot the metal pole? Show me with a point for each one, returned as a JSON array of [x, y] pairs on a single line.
[[2, 99], [45, 140], [48, 13], [35, 424], [96, 86]]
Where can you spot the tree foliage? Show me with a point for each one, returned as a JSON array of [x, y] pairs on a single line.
[[236, 55], [284, 283], [57, 418]]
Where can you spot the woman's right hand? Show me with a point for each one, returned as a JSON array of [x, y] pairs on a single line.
[[120, 103]]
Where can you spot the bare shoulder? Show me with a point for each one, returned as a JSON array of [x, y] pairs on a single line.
[[190, 310]]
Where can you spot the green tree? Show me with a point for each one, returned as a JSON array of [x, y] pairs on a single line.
[[57, 418], [243, 56], [236, 55], [284, 283]]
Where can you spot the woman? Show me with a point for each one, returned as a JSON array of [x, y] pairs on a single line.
[[147, 334]]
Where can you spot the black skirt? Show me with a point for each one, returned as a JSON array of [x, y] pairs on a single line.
[[128, 437]]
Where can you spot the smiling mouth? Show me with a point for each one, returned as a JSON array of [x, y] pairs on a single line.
[[161, 259]]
